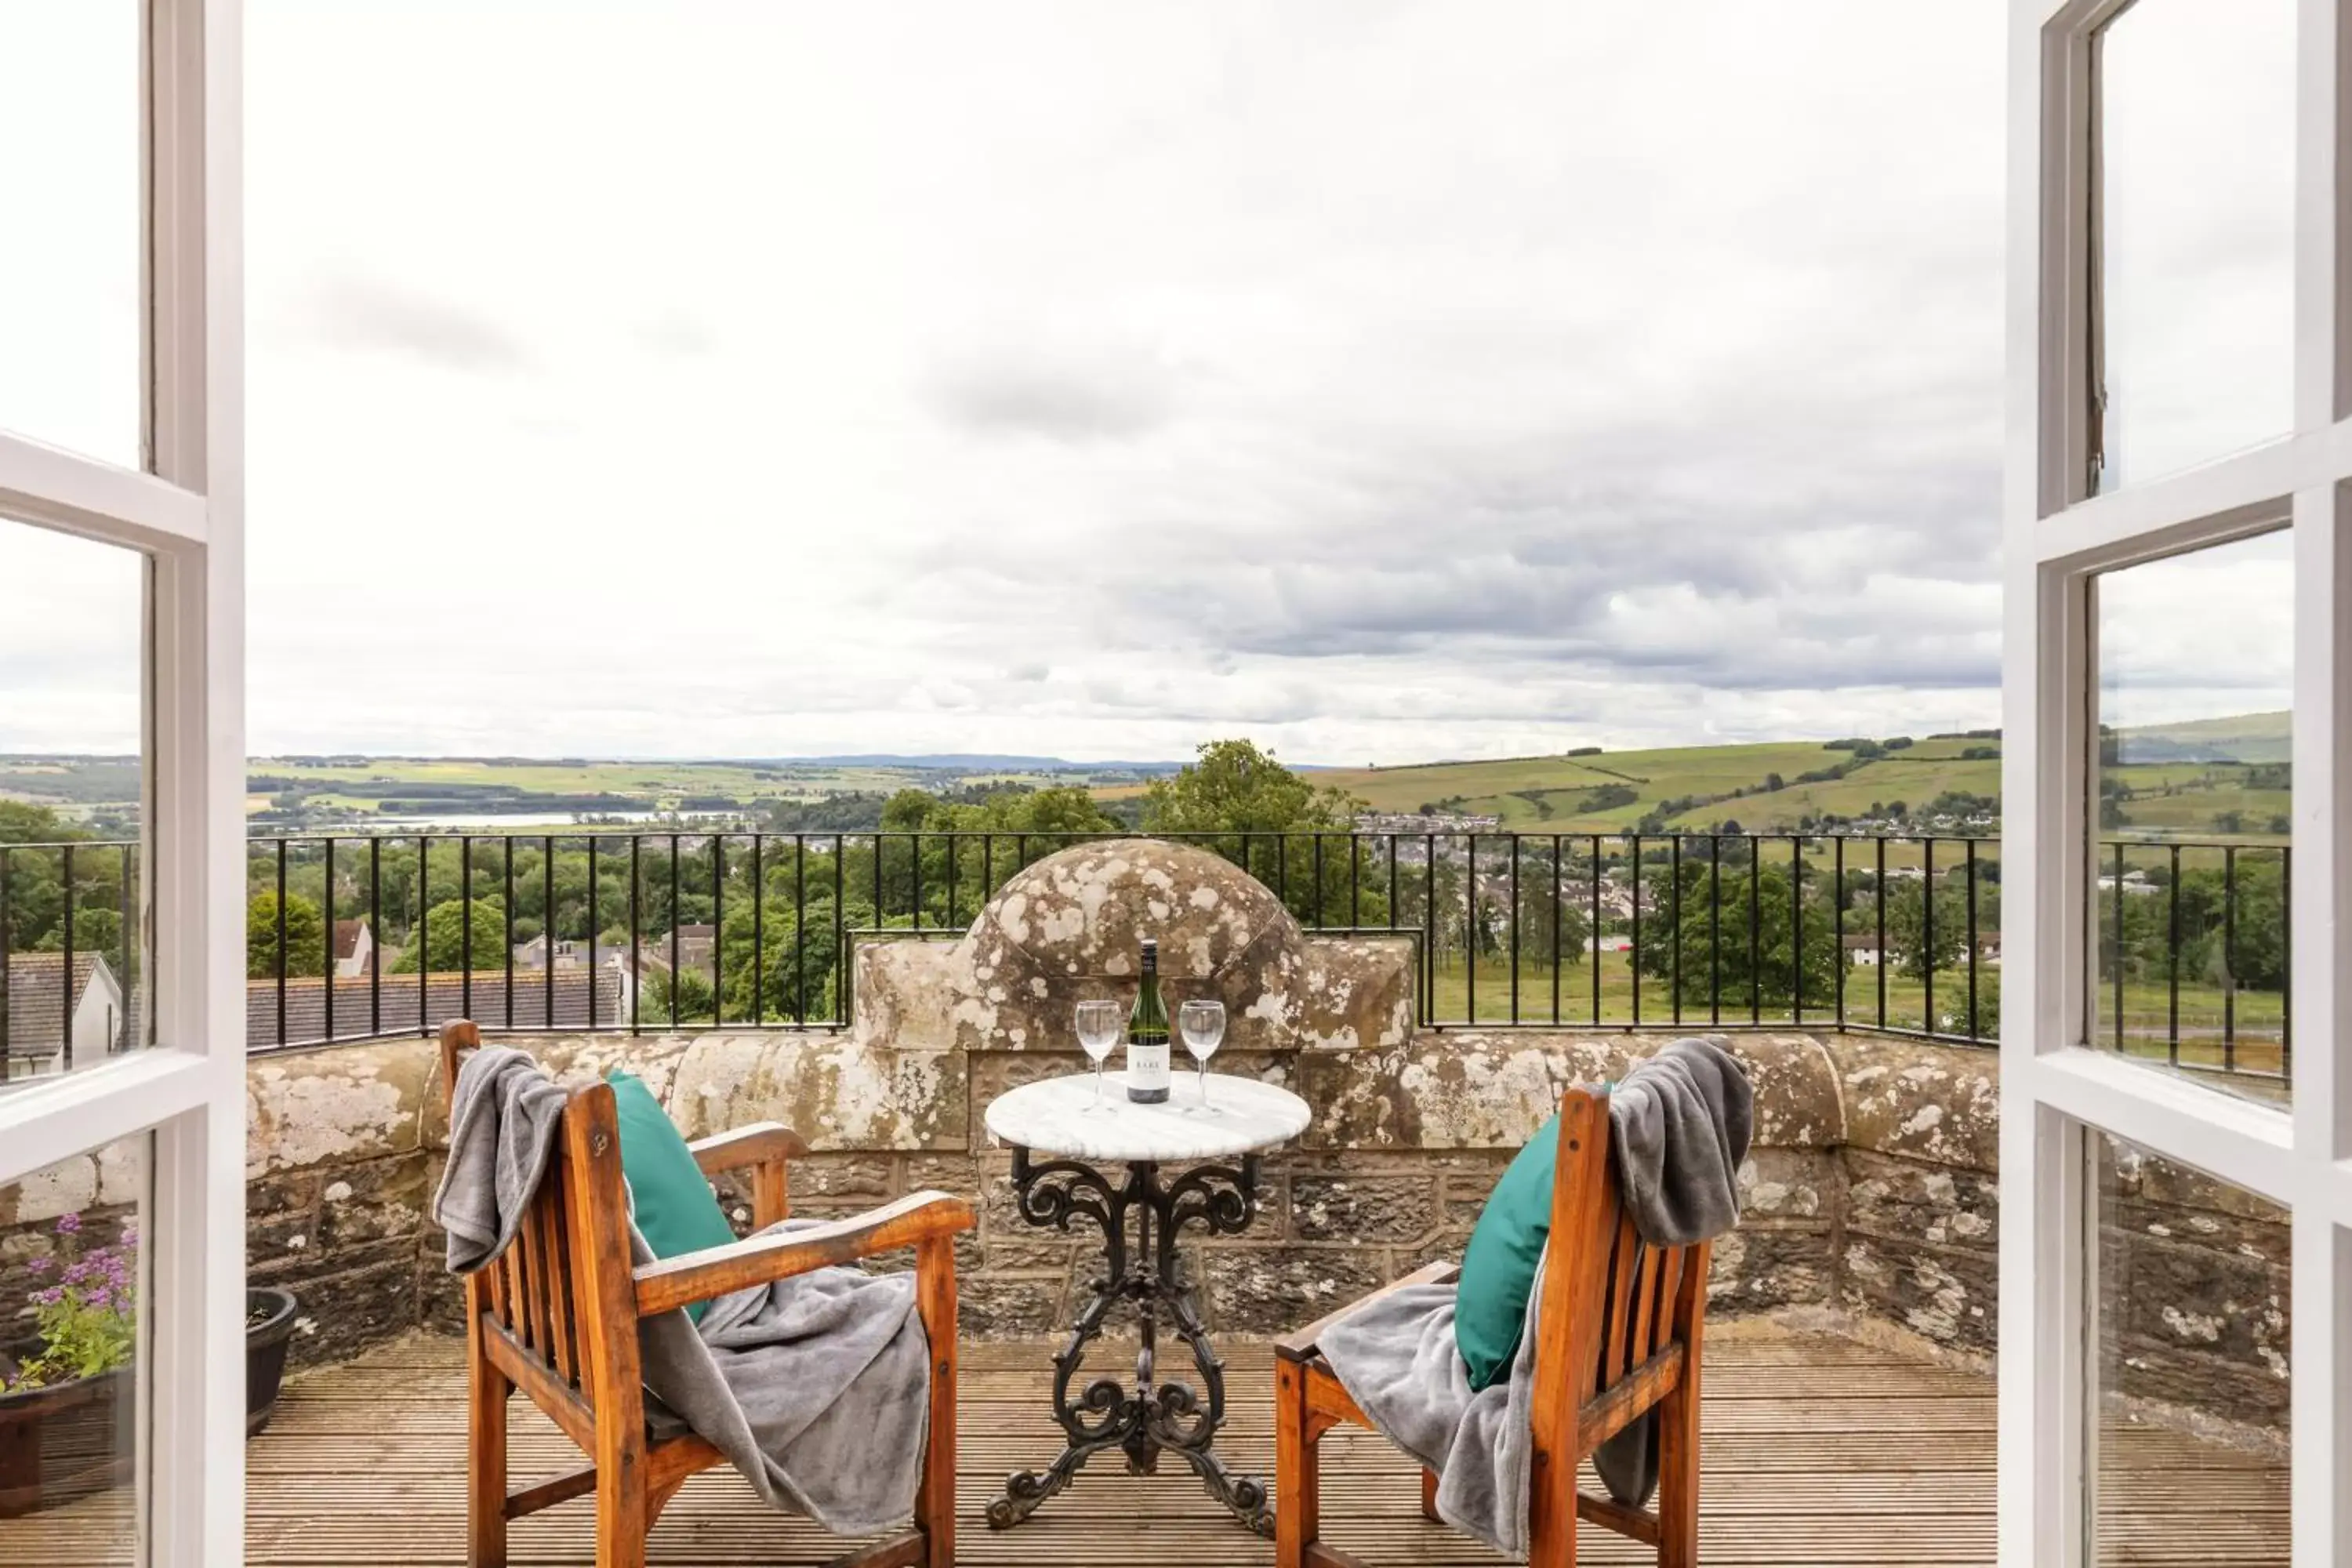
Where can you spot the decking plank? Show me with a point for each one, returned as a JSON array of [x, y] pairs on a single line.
[[1817, 1451]]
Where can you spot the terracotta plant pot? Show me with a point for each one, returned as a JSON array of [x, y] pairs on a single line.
[[67, 1442]]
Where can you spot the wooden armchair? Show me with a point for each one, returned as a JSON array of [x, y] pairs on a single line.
[[1618, 1335], [556, 1314]]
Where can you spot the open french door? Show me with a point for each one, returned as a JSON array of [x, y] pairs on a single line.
[[123, 1138], [2177, 704]]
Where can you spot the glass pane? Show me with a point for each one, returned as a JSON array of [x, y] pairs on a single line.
[[70, 1283], [2189, 1366], [69, 188], [73, 972], [2197, 260], [2192, 843]]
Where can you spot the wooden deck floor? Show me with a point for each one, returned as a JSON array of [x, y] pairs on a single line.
[[1818, 1451]]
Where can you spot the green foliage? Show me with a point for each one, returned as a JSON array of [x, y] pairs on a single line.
[[87, 1310], [1713, 939], [680, 998], [446, 947], [306, 936], [1608, 796], [1239, 800], [1907, 924]]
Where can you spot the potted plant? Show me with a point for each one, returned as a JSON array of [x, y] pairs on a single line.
[[65, 1401], [65, 1398]]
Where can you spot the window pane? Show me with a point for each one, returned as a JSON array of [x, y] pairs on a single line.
[[2197, 260], [70, 1283], [69, 191], [2189, 1365], [73, 971], [2192, 843]]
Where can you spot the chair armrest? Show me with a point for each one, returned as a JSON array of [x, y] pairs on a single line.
[[757, 1144], [1299, 1343], [764, 1148], [779, 1255]]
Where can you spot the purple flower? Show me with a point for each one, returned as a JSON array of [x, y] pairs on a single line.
[[49, 1298], [68, 1224], [39, 1267]]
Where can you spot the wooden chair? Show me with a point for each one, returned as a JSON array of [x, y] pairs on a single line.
[[556, 1314], [1618, 1334]]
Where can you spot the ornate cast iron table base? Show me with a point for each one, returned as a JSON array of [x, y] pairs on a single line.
[[1149, 1416]]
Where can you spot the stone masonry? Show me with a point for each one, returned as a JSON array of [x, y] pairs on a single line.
[[1870, 1194]]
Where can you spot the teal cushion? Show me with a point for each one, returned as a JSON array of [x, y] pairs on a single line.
[[677, 1212], [1498, 1270]]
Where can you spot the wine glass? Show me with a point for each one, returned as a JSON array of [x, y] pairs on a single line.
[[1099, 1030], [1201, 1022]]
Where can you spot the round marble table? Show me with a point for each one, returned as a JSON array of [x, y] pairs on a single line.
[[1055, 1117]]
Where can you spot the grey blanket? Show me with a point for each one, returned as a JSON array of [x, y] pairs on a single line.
[[816, 1388], [1679, 1126]]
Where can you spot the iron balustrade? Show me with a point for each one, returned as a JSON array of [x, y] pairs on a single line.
[[372, 934]]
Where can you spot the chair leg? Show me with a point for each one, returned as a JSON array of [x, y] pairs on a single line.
[[935, 1500], [486, 1457], [623, 1515], [1429, 1495], [1678, 1476], [1298, 1479]]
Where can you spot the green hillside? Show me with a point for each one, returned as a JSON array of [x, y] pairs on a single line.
[[1761, 785], [2238, 738]]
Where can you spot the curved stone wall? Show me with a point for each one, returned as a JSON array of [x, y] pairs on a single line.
[[1871, 1192]]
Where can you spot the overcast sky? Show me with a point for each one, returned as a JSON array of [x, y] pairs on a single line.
[[1382, 381]]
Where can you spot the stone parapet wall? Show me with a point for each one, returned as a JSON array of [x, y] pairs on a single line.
[[1871, 1192]]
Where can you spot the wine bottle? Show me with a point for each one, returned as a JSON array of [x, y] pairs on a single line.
[[1146, 1036]]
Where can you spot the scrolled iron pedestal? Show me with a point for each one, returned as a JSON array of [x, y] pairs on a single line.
[[1149, 1416]]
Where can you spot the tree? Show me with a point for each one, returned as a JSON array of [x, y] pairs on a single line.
[[445, 947], [306, 936], [1715, 938], [1907, 925], [1239, 800]]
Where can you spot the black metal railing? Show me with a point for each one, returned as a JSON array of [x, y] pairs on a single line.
[[356, 936]]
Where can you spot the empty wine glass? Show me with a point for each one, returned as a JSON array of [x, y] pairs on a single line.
[[1099, 1030], [1201, 1022]]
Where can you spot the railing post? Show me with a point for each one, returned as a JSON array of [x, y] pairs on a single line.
[[1927, 916], [1881, 937], [1595, 866], [465, 931], [1515, 928], [506, 922], [1470, 932], [2172, 963], [327, 961], [1796, 929], [1755, 930], [2228, 956], [375, 936], [547, 932], [1674, 924], [1975, 938], [800, 928], [1635, 880], [1837, 919], [596, 931], [280, 1038], [1558, 914]]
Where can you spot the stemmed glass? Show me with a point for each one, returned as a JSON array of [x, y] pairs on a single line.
[[1098, 1029], [1202, 1023]]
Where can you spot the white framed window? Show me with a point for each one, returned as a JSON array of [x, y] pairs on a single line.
[[2176, 569], [172, 495]]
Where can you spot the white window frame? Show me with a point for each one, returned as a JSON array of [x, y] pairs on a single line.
[[186, 512], [2054, 1092]]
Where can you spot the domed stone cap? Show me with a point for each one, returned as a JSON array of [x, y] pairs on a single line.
[[1084, 913], [1072, 926]]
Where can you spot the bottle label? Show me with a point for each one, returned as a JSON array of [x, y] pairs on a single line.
[[1146, 1071]]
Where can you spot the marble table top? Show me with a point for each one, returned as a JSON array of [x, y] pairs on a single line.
[[1052, 1117]]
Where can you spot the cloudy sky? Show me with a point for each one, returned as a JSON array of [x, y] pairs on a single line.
[[1384, 381]]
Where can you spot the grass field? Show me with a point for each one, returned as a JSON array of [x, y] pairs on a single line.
[[2251, 1040]]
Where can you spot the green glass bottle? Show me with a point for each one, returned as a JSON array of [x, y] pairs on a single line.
[[1146, 1036]]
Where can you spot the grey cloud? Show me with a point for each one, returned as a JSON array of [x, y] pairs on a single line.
[[351, 311], [1075, 398]]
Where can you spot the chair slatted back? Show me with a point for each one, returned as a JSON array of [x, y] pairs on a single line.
[[1628, 1303], [541, 1290]]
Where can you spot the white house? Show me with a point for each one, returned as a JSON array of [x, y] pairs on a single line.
[[354, 943], [46, 1034]]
